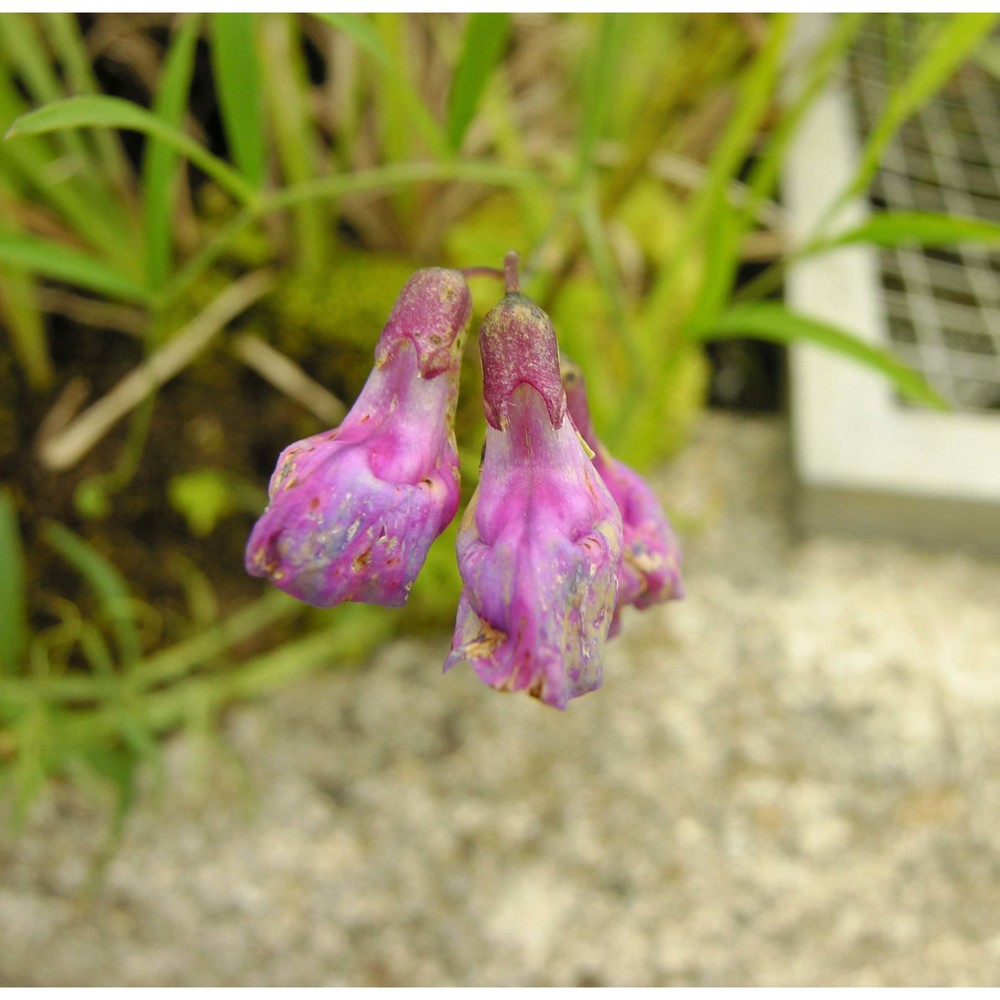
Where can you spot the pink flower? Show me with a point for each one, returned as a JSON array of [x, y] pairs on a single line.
[[650, 571], [353, 511], [540, 546]]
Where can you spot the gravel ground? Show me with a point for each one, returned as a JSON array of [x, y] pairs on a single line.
[[790, 778]]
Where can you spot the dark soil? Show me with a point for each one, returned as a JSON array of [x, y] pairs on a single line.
[[214, 415]]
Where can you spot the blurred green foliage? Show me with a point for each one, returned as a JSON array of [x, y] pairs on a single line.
[[627, 157]]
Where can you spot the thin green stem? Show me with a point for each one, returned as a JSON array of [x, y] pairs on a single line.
[[363, 181], [161, 668], [757, 89]]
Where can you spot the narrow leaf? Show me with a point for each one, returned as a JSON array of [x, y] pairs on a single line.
[[14, 619], [33, 740], [53, 260], [598, 86], [104, 579], [756, 90], [115, 766], [114, 112], [71, 48], [397, 139], [26, 325], [987, 55], [385, 178], [951, 45], [237, 72], [771, 321], [485, 40], [821, 64], [29, 55], [756, 94], [34, 162], [363, 33], [161, 160], [890, 229], [294, 129], [828, 58]]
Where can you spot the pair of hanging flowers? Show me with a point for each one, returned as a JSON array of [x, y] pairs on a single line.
[[558, 537]]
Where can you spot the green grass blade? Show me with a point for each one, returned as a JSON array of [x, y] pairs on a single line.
[[114, 112], [28, 56], [397, 140], [26, 326], [53, 260], [755, 95], [319, 189], [364, 34], [291, 120], [32, 765], [161, 161], [891, 229], [33, 162], [711, 207], [485, 39], [762, 182], [361, 31], [602, 258], [25, 323], [352, 636], [159, 669], [100, 661], [237, 72], [949, 47], [29, 59], [773, 322], [600, 71], [13, 598], [987, 56], [886, 229], [828, 57], [108, 584], [116, 767], [71, 49]]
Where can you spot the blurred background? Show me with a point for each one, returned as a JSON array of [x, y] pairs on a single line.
[[769, 242]]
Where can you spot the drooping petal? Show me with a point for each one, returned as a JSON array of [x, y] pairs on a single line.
[[651, 571], [651, 563], [539, 552], [353, 511], [540, 546]]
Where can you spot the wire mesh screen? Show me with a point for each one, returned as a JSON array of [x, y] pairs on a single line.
[[942, 307]]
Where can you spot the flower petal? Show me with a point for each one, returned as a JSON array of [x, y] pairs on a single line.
[[539, 552], [353, 511]]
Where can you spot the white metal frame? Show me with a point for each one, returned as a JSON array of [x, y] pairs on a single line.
[[865, 462]]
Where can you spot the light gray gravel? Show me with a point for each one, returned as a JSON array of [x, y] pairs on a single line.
[[792, 777]]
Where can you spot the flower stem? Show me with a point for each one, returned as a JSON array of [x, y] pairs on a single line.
[[481, 272], [512, 281]]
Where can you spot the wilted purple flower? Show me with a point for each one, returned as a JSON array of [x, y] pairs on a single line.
[[353, 511], [650, 570], [539, 549]]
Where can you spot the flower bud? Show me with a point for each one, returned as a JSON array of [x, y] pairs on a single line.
[[518, 347], [650, 570], [352, 511]]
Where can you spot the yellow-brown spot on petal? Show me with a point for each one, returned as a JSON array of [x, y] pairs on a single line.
[[486, 643]]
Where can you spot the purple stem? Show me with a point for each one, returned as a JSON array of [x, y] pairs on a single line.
[[481, 272]]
